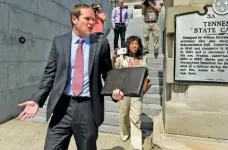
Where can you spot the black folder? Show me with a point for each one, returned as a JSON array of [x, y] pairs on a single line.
[[128, 80]]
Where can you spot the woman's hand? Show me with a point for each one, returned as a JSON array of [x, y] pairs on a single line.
[[115, 51], [115, 54], [114, 58]]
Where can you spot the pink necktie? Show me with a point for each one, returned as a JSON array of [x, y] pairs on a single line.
[[78, 70]]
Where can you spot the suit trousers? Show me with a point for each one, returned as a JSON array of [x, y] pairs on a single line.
[[120, 30], [72, 117], [130, 117]]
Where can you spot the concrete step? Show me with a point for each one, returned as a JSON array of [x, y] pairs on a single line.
[[151, 102], [155, 89], [137, 13], [157, 67], [153, 68], [148, 109], [114, 119], [151, 55], [156, 73], [116, 130], [152, 99], [147, 99], [156, 80], [154, 61], [151, 105], [111, 119]]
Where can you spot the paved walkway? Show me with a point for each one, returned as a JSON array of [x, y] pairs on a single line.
[[26, 135]]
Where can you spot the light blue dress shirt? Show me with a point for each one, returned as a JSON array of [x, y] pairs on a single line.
[[74, 47], [116, 15]]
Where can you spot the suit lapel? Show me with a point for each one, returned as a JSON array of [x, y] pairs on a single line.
[[67, 48], [92, 52]]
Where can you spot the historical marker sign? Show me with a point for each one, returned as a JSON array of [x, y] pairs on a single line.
[[201, 45]]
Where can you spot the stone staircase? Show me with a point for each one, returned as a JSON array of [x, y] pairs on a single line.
[[151, 101]]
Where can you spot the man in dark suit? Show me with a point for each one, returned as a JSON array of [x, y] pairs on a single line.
[[73, 76]]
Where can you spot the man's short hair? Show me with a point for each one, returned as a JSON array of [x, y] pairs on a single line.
[[76, 11]]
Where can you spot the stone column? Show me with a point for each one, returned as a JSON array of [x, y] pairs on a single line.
[[195, 114]]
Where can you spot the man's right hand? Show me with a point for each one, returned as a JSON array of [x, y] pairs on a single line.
[[113, 26], [117, 95], [31, 108]]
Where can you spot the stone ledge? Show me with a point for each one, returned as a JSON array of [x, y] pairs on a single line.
[[200, 2], [172, 11], [184, 121], [181, 2], [164, 141]]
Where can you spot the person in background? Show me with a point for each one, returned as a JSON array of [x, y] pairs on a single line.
[[131, 107], [98, 28], [150, 11], [119, 23]]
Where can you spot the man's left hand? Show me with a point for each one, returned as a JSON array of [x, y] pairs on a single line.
[[117, 95]]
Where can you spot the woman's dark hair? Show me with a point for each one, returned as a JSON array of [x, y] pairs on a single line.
[[139, 52]]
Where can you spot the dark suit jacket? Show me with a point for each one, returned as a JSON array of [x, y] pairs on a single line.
[[56, 73]]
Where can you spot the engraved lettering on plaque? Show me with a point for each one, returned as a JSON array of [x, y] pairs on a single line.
[[201, 45]]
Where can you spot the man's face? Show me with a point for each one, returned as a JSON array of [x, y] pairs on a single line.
[[83, 25], [121, 2]]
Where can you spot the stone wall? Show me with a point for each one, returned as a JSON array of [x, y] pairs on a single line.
[[22, 65]]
